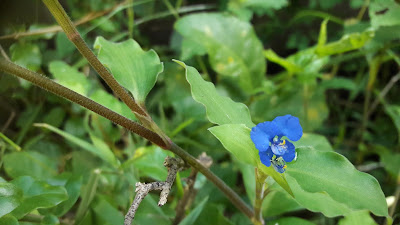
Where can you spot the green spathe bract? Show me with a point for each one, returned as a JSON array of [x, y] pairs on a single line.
[[132, 67], [329, 172]]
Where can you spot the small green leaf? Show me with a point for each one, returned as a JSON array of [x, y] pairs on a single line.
[[50, 220], [37, 194], [236, 139], [132, 67], [358, 218], [70, 77], [329, 172], [26, 55], [322, 33], [278, 202], [87, 195], [288, 65], [29, 163], [232, 45], [194, 214], [112, 103], [220, 109], [10, 198]]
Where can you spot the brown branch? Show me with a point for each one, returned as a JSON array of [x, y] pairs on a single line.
[[190, 192], [174, 165]]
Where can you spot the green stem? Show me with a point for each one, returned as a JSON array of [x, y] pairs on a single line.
[[260, 195], [49, 85], [66, 24]]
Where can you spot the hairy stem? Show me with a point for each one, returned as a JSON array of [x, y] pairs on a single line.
[[66, 24], [260, 195], [55, 88]]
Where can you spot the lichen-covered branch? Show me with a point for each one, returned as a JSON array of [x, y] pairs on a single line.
[[174, 165]]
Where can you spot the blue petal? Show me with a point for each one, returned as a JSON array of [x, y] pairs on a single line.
[[266, 157], [288, 126], [263, 134], [290, 152]]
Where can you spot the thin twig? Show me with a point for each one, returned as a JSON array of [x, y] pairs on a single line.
[[174, 165], [383, 93], [4, 54], [190, 191]]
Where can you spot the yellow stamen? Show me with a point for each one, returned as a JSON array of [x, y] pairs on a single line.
[[285, 166], [283, 142]]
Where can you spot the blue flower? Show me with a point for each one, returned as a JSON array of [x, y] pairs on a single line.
[[267, 138]]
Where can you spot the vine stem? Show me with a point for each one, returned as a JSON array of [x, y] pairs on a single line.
[[51, 86]]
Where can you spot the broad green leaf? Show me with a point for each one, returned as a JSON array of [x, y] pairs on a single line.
[[290, 221], [194, 214], [316, 141], [358, 218], [37, 194], [50, 220], [70, 77], [10, 198], [329, 172], [133, 68], [245, 8], [232, 45], [26, 55], [55, 117], [190, 48], [339, 83], [389, 159], [279, 202], [347, 43], [8, 220], [236, 139], [72, 184], [394, 112], [384, 13], [29, 163], [220, 109], [103, 152]]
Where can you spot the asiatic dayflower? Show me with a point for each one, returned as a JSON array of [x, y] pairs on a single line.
[[267, 137]]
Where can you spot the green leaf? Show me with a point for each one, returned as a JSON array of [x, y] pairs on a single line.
[[212, 214], [279, 202], [87, 195], [194, 214], [232, 45], [72, 184], [394, 112], [290, 221], [339, 83], [132, 67], [384, 13], [100, 150], [316, 141], [29, 163], [347, 43], [220, 109], [322, 33], [26, 55], [112, 103], [332, 174], [50, 220], [107, 213], [8, 220], [70, 77], [10, 198], [143, 156], [358, 218], [390, 160], [236, 139], [37, 194], [245, 8]]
